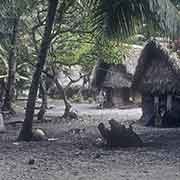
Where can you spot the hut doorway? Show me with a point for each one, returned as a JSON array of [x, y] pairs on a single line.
[[120, 97], [108, 103], [171, 117], [125, 95], [161, 111]]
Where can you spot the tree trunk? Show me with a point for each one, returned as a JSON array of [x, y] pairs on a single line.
[[10, 90], [158, 119], [67, 104], [2, 91], [62, 91], [26, 131], [43, 92]]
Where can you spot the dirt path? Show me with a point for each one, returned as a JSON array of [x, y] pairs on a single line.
[[74, 156]]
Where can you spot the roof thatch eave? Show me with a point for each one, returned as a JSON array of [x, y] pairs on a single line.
[[151, 52], [110, 76]]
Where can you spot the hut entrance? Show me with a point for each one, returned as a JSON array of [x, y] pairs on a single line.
[[108, 103], [171, 118], [161, 107], [121, 97], [161, 111], [125, 95]]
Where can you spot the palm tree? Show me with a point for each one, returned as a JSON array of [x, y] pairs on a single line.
[[121, 18]]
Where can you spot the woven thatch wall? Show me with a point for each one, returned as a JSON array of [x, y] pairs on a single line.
[[157, 72]]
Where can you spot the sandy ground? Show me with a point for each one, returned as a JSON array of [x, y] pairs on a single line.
[[75, 156]]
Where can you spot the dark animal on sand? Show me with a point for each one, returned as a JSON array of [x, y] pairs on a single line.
[[119, 136]]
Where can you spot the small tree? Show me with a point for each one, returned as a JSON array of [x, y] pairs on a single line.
[[26, 131]]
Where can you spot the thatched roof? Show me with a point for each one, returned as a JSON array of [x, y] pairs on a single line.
[[110, 75], [157, 71]]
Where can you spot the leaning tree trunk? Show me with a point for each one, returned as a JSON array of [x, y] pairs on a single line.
[[63, 92], [10, 90], [43, 93], [26, 131]]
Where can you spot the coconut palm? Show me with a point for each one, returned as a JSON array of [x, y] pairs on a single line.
[[121, 18]]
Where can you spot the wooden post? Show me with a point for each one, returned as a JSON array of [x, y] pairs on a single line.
[[157, 120], [169, 102]]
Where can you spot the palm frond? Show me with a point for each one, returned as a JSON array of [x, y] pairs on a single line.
[[167, 16], [121, 18]]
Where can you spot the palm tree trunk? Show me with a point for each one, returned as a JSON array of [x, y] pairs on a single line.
[[26, 131]]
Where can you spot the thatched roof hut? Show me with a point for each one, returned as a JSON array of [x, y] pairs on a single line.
[[120, 74], [157, 77], [114, 80], [157, 71]]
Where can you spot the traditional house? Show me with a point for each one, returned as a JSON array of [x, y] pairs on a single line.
[[114, 81], [118, 80], [157, 78]]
